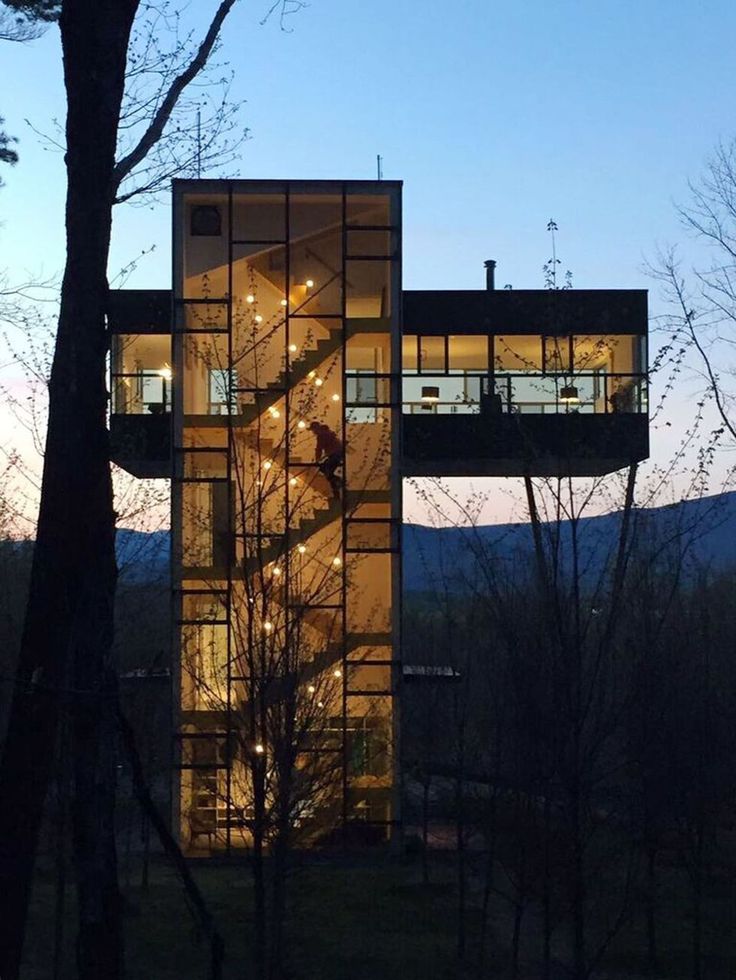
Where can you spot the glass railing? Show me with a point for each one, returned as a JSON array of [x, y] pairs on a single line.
[[538, 394]]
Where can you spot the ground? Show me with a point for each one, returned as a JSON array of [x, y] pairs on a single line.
[[353, 918]]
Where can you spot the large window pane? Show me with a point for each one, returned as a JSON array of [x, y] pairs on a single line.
[[431, 354], [468, 353], [368, 289], [522, 352]]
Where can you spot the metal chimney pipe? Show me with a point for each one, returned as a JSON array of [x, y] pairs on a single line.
[[490, 265]]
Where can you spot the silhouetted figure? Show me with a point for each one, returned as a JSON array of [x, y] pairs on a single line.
[[329, 453]]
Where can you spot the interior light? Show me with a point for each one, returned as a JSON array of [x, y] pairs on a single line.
[[336, 561], [276, 571], [337, 672], [293, 348], [293, 481], [274, 413], [250, 298], [569, 394], [320, 704], [267, 627], [268, 464], [430, 393], [258, 318], [301, 424], [309, 283], [259, 748], [319, 382], [311, 688], [284, 302], [165, 372], [336, 398], [312, 374], [301, 549]]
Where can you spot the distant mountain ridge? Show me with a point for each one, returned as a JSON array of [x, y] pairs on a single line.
[[709, 522]]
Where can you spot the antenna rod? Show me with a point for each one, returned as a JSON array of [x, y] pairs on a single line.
[[379, 166]]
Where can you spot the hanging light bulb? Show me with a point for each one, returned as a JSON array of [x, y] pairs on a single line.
[[250, 298]]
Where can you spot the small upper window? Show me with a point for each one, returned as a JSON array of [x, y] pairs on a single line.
[[205, 221]]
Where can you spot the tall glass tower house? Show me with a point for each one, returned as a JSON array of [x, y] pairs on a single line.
[[287, 340], [287, 384]]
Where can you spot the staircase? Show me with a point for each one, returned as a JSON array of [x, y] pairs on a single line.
[[299, 371]]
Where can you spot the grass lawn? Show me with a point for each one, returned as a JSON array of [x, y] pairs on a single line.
[[364, 918], [367, 919]]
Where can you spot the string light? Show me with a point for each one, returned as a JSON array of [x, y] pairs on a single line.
[[250, 298], [274, 413], [259, 749], [319, 382], [337, 673], [293, 348], [284, 302], [258, 318], [320, 704], [309, 283], [311, 375], [267, 627], [336, 398], [301, 424], [301, 549], [336, 561], [276, 571], [293, 481], [268, 464], [311, 688]]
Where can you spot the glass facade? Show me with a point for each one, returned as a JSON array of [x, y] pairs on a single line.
[[286, 505], [524, 373]]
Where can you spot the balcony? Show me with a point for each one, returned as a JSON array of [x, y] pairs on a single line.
[[140, 382], [535, 382]]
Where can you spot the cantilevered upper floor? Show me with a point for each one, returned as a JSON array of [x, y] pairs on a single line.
[[513, 382], [494, 382]]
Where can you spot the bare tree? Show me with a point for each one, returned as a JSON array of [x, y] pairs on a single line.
[[69, 620]]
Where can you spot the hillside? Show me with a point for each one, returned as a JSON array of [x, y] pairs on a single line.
[[707, 525]]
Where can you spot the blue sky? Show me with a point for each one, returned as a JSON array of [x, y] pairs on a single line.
[[497, 117]]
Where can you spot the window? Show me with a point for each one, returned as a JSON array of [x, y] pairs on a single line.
[[222, 384]]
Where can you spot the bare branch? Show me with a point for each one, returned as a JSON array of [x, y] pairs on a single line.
[[162, 115]]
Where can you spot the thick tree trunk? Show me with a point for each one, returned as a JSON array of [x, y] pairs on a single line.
[[69, 617]]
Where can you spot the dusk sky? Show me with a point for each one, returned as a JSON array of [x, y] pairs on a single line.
[[496, 117]]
